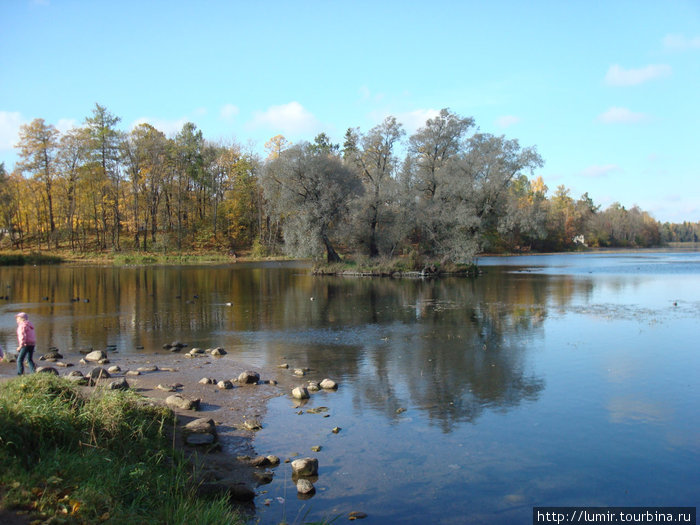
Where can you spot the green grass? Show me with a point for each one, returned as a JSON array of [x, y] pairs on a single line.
[[105, 458]]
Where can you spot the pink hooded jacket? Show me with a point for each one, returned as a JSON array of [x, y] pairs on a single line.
[[25, 333]]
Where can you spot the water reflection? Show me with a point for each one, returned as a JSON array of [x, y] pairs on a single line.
[[451, 347], [529, 385]]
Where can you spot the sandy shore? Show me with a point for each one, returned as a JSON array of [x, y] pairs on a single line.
[[228, 408]]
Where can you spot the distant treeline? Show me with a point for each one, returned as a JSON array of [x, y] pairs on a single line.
[[445, 193], [685, 232]]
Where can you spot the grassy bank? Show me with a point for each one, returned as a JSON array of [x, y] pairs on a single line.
[[396, 267], [102, 458], [19, 259]]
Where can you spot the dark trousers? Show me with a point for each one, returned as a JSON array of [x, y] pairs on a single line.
[[26, 352]]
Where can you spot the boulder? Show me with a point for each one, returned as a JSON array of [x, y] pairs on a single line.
[[52, 355], [148, 368], [207, 381], [178, 401], [114, 369], [265, 461], [132, 373], [202, 425], [248, 377], [313, 386], [196, 351], [166, 388], [300, 392], [305, 467], [218, 352], [119, 384], [304, 486], [47, 370], [99, 373], [80, 380], [299, 372], [75, 373], [95, 356], [329, 384], [252, 424], [225, 384]]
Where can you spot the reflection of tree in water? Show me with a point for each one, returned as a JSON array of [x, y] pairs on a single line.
[[451, 347]]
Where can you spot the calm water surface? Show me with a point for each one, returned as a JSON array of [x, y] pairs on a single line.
[[550, 380]]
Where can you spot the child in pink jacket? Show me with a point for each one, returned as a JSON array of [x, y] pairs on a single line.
[[26, 341]]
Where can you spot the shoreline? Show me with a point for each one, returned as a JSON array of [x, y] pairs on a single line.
[[226, 467]]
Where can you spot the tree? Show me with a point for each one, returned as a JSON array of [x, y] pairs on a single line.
[[7, 205], [374, 157], [474, 194], [524, 221], [70, 159], [189, 165], [38, 147], [276, 145], [239, 196], [310, 190], [103, 156], [433, 146], [146, 158]]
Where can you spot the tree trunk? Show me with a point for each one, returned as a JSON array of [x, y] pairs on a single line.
[[331, 255]]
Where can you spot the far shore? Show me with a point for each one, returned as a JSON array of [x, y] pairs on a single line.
[[378, 267]]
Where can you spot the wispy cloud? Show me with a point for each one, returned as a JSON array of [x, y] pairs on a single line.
[[66, 124], [289, 119], [229, 111], [619, 76], [598, 171], [366, 95], [506, 121], [617, 115], [168, 127], [412, 120], [10, 121], [681, 42]]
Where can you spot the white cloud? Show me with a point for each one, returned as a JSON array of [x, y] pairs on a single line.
[[598, 171], [413, 120], [10, 121], [289, 119], [617, 115], [66, 124], [507, 120], [681, 43], [618, 76], [229, 111], [168, 127]]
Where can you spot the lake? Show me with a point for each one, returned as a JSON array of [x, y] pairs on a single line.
[[555, 380]]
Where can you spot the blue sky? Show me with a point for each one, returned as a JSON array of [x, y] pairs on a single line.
[[609, 92]]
